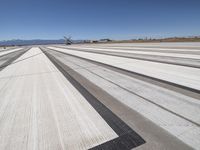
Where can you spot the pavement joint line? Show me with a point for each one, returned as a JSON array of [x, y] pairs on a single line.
[[127, 139]]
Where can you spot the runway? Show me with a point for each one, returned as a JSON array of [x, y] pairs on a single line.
[[115, 96], [184, 76]]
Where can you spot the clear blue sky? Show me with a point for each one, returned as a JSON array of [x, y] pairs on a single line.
[[94, 19]]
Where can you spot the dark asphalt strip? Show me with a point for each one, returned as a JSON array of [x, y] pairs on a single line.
[[142, 57], [127, 139], [7, 63], [162, 83]]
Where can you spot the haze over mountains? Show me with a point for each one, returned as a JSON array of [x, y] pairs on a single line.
[[30, 42]]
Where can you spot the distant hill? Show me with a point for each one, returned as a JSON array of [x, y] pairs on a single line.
[[30, 42]]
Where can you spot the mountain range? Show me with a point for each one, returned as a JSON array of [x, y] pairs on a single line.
[[31, 42]]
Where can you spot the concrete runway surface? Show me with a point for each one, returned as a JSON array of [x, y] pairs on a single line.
[[101, 96]]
